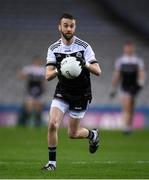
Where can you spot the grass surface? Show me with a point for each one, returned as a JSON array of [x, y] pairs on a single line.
[[24, 151]]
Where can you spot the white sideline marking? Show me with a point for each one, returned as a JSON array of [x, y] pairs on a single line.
[[3, 162], [142, 162], [78, 162], [109, 162], [96, 162], [21, 163]]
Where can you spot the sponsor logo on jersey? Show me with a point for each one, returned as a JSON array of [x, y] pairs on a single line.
[[67, 50], [78, 108], [59, 95], [73, 114]]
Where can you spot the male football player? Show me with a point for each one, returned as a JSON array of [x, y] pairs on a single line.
[[71, 95], [34, 75], [129, 72]]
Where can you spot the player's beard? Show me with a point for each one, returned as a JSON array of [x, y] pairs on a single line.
[[67, 36]]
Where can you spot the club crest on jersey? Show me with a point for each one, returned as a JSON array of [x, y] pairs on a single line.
[[79, 54], [67, 50]]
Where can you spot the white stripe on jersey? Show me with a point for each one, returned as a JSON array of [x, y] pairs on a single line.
[[77, 45], [129, 60], [33, 70]]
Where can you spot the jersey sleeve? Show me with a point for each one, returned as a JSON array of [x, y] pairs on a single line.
[[89, 55], [141, 64], [117, 64], [26, 70], [51, 59]]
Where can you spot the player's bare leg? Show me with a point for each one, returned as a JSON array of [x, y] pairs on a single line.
[[26, 112], [56, 115], [127, 114], [38, 107], [77, 132]]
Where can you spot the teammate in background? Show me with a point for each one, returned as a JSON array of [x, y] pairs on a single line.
[[70, 95], [35, 81], [129, 73]]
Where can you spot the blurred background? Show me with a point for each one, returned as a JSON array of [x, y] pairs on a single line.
[[28, 27]]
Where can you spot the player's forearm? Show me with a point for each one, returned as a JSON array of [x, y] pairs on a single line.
[[51, 74], [94, 69], [115, 82], [116, 79], [141, 78]]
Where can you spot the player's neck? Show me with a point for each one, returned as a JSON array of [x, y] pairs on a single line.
[[129, 54], [67, 42]]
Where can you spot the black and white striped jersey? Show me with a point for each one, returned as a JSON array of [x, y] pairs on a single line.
[[79, 48], [129, 66]]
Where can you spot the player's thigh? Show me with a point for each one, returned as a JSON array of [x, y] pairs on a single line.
[[38, 104], [29, 104], [57, 111], [76, 116], [55, 117]]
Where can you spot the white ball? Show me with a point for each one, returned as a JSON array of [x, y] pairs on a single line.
[[70, 67]]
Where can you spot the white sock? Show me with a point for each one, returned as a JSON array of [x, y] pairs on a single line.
[[53, 162], [95, 134]]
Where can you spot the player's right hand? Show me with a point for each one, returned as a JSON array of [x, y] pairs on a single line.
[[113, 93], [58, 67]]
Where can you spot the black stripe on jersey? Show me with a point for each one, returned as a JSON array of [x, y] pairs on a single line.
[[79, 40], [84, 44], [51, 64], [53, 46], [81, 43]]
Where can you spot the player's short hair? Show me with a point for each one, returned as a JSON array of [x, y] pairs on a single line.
[[37, 56], [129, 43], [66, 16]]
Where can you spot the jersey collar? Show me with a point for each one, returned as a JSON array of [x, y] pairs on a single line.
[[66, 46]]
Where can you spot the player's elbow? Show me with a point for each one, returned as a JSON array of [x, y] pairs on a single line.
[[97, 72], [47, 77]]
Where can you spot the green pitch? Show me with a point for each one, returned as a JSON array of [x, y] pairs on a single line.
[[24, 151]]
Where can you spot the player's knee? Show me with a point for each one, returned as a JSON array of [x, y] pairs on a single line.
[[53, 125], [72, 133]]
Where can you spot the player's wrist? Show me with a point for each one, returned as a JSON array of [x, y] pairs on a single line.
[[87, 64], [113, 91], [141, 82], [56, 71]]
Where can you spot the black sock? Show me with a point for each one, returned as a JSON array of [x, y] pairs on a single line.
[[52, 153], [90, 134]]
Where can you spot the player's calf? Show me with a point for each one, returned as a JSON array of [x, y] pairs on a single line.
[[72, 134]]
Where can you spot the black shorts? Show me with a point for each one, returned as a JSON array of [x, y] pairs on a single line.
[[131, 90], [76, 103]]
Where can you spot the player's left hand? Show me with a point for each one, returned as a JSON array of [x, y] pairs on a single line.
[[113, 92], [82, 62]]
